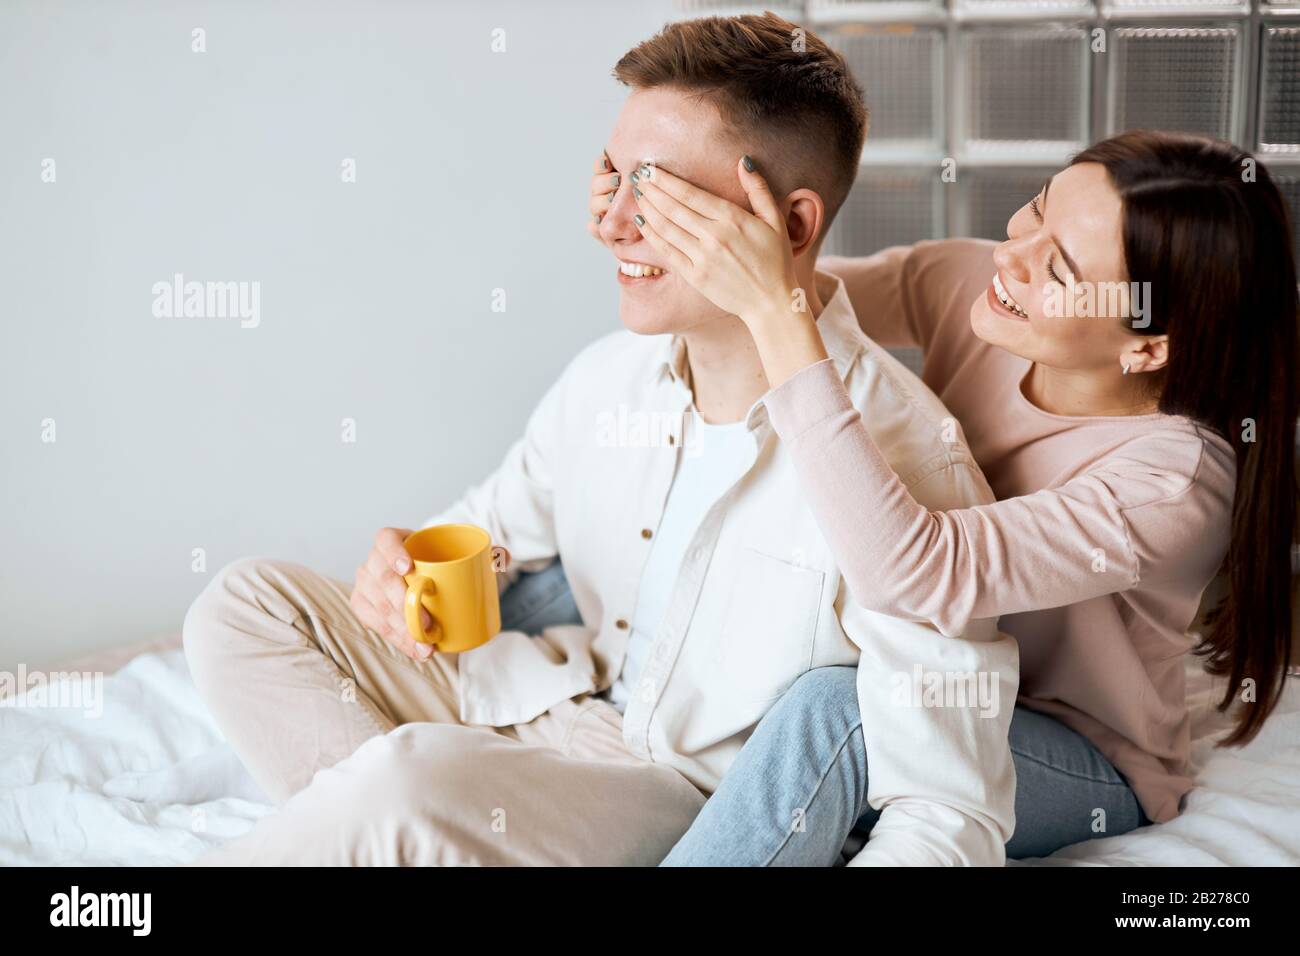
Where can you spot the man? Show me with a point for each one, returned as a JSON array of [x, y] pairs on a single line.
[[702, 579]]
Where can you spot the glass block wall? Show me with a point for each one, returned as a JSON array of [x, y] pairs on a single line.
[[1010, 89]]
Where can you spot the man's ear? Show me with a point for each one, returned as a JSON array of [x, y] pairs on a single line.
[[805, 213]]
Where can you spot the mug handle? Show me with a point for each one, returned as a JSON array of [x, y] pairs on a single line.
[[415, 594]]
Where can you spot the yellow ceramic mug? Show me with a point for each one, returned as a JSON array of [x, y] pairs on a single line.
[[454, 579]]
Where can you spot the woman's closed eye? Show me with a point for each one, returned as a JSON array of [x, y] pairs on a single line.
[[1051, 258]]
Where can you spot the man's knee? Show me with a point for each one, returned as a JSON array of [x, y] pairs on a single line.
[[427, 779], [207, 633]]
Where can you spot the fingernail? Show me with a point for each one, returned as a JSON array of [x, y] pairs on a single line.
[[614, 180], [639, 219], [604, 162], [635, 177], [636, 192], [403, 565], [597, 218], [610, 197], [748, 163], [645, 170]]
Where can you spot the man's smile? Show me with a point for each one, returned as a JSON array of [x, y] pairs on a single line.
[[636, 272]]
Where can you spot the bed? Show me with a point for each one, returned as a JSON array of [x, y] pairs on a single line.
[[151, 781]]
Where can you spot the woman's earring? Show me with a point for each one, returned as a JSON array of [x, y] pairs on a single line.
[[1125, 372]]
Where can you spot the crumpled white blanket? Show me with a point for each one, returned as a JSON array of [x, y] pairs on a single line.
[[151, 781]]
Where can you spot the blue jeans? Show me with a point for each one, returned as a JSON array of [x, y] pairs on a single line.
[[806, 761], [536, 601]]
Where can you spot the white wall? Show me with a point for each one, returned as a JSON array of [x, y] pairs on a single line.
[[175, 434]]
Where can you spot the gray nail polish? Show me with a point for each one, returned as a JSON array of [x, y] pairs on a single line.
[[635, 177], [614, 180], [639, 219], [597, 218], [636, 192], [748, 163]]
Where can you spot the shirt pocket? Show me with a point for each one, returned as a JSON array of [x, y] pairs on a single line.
[[769, 626]]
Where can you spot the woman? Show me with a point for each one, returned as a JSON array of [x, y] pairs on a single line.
[[1127, 381]]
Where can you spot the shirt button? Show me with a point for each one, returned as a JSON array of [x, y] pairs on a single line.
[[621, 624], [646, 533]]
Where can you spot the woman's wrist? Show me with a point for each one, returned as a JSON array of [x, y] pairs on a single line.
[[787, 341], [776, 307]]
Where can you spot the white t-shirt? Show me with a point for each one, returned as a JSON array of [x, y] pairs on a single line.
[[712, 459]]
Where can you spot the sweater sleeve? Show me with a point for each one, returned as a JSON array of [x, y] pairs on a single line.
[[878, 294], [902, 295], [1055, 547]]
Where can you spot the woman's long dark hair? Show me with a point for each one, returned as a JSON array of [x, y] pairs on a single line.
[[1204, 223]]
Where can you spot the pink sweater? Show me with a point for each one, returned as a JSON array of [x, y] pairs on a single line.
[[1105, 532]]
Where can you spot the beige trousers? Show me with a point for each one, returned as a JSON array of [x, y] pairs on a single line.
[[363, 748]]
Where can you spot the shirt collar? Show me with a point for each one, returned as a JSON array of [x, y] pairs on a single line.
[[838, 325], [840, 332], [672, 363]]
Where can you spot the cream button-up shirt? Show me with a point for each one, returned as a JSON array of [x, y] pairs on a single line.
[[758, 599]]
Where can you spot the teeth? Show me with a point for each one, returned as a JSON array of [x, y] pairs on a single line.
[[636, 270], [1005, 297]]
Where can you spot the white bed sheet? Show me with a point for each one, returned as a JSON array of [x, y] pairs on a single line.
[[151, 781]]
